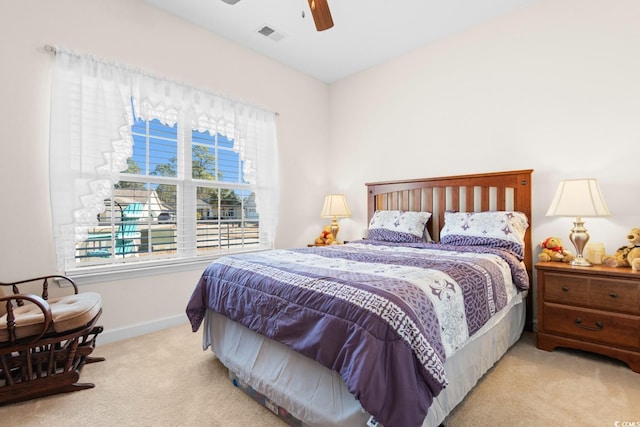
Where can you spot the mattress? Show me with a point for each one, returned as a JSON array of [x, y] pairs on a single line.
[[318, 396]]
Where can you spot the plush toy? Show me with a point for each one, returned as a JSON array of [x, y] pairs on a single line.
[[626, 256], [326, 237], [552, 250]]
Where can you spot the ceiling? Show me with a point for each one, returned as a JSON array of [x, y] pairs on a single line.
[[366, 32]]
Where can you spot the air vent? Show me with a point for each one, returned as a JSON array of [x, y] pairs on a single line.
[[266, 31], [271, 33]]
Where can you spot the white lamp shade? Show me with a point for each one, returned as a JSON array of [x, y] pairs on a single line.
[[578, 198], [335, 205]]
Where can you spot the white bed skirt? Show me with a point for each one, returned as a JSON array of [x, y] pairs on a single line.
[[319, 397]]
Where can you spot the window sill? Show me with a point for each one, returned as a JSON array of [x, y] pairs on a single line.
[[91, 275]]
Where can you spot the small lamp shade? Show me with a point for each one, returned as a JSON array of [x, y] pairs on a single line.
[[579, 198], [335, 206]]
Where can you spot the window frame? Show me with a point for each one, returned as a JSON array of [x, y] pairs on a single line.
[[186, 251], [92, 106]]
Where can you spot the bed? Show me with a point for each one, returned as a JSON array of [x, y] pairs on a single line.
[[391, 330]]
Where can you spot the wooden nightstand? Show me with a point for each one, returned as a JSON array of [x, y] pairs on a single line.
[[310, 245], [594, 308]]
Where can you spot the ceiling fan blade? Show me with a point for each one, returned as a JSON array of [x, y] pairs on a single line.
[[321, 14]]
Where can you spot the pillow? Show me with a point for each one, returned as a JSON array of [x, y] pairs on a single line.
[[399, 226], [501, 229]]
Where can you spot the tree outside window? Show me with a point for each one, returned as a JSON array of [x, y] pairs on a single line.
[[211, 210]]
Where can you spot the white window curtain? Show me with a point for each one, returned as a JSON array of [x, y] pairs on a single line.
[[93, 104]]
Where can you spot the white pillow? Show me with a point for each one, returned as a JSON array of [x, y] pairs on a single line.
[[399, 226], [498, 228]]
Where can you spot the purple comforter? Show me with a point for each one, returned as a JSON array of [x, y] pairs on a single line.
[[371, 312]]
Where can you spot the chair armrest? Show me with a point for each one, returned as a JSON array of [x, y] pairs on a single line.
[[98, 237], [45, 284], [11, 318]]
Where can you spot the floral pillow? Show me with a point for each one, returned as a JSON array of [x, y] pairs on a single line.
[[501, 229], [399, 226]]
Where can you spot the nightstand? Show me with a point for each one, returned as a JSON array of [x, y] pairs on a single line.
[[310, 245], [594, 308]]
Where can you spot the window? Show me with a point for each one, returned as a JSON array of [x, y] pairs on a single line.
[[211, 209], [144, 169]]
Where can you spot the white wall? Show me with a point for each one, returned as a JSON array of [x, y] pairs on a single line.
[[553, 87], [131, 32]]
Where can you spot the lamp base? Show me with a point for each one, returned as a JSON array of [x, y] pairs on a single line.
[[579, 237], [335, 228], [580, 262]]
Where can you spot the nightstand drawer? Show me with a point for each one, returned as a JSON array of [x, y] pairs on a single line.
[[617, 295], [565, 289], [595, 326]]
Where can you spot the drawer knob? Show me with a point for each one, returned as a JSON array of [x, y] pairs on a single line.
[[598, 325], [565, 288], [613, 295]]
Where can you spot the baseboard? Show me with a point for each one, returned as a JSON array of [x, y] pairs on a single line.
[[119, 334]]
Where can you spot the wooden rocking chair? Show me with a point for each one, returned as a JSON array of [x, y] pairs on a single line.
[[44, 344]]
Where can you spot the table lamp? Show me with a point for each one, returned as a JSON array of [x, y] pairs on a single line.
[[335, 206], [579, 198]]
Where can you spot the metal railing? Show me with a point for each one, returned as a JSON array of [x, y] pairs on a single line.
[[162, 239]]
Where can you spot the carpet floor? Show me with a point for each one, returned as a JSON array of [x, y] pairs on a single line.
[[165, 379]]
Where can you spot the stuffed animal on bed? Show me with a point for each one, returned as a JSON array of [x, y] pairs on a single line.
[[552, 250], [626, 256]]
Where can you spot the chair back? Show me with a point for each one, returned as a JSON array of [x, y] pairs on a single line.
[[132, 211], [126, 236], [3, 306], [128, 229], [130, 216]]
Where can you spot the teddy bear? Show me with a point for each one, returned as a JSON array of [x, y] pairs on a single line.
[[552, 250], [626, 256], [326, 237]]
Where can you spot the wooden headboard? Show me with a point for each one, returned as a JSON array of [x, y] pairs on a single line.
[[495, 191]]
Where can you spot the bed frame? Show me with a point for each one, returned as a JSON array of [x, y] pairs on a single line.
[[477, 192], [496, 191]]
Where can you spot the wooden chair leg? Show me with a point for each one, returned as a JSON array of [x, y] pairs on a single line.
[[51, 366]]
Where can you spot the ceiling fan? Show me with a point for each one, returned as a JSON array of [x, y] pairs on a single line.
[[319, 11], [321, 14]]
